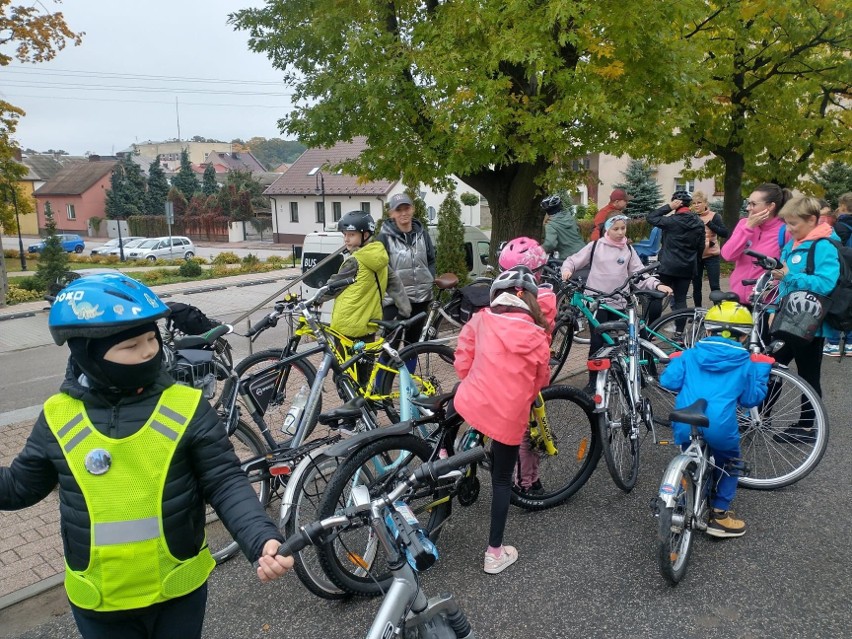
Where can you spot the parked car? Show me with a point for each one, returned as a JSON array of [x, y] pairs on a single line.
[[113, 244], [131, 244], [70, 242], [160, 247]]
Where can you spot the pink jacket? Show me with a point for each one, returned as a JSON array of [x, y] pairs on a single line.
[[502, 360], [607, 274], [762, 239]]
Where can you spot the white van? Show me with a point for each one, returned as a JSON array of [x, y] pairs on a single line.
[[320, 244]]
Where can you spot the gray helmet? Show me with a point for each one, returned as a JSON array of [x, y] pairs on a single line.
[[357, 221], [517, 278], [552, 203], [683, 196]]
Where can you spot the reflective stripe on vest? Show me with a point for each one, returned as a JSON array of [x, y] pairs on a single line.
[[130, 564]]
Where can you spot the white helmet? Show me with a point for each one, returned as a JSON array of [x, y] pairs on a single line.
[[515, 279]]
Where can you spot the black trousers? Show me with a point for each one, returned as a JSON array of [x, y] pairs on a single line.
[[504, 458], [712, 265], [680, 287], [180, 618], [808, 358], [412, 333]]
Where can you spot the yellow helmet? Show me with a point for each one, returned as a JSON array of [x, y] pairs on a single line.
[[727, 318]]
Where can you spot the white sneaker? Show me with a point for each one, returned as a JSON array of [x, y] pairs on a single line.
[[494, 565], [847, 351], [833, 350]]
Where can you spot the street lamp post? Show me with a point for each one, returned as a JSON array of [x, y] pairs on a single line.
[[18, 223], [320, 190]]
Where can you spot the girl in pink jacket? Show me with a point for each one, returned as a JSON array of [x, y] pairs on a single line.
[[758, 232], [502, 359]]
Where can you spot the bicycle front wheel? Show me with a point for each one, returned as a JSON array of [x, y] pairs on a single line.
[[432, 373], [674, 540], [619, 440], [784, 438], [678, 330], [560, 346], [353, 561], [571, 418], [247, 446]]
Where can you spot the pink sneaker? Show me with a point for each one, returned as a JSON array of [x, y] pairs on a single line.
[[494, 565]]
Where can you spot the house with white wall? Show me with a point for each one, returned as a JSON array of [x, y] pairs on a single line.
[[314, 193]]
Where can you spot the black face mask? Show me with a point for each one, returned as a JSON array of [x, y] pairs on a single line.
[[130, 377], [89, 356]]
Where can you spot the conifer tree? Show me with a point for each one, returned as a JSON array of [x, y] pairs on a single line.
[[208, 181], [640, 183], [158, 189], [53, 261], [836, 179], [450, 257], [185, 180]]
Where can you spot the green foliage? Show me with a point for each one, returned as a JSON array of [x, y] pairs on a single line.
[[226, 257], [717, 206], [95, 223], [835, 179], [158, 189], [53, 261], [274, 152], [185, 179], [126, 195], [449, 252], [178, 200], [18, 295], [469, 199], [208, 181], [250, 260], [190, 268], [640, 183], [277, 261], [30, 283]]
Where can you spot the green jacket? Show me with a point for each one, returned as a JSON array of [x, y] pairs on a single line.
[[361, 301], [562, 235]]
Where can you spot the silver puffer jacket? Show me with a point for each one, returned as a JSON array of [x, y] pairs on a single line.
[[412, 258]]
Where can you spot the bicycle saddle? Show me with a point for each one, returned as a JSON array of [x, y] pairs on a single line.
[[654, 295], [717, 297], [349, 410], [200, 341], [692, 414], [434, 403], [446, 280], [607, 327]]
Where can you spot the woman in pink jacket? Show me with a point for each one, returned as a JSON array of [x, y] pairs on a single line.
[[502, 359], [611, 261], [758, 232]]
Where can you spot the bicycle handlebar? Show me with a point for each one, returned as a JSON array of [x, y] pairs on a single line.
[[312, 533], [764, 261]]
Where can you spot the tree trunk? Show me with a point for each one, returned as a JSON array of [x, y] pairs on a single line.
[[4, 277], [734, 165], [514, 198]]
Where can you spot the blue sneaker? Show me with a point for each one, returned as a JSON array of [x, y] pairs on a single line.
[[833, 350]]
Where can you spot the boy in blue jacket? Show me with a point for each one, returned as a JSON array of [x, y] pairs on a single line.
[[720, 362]]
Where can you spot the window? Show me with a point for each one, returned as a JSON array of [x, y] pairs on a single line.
[[684, 185], [365, 206], [313, 171], [69, 209], [484, 249], [336, 211], [294, 211], [320, 212]]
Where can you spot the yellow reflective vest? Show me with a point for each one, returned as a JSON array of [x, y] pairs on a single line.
[[122, 481]]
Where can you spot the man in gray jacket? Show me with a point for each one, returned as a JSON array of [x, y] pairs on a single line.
[[412, 258], [561, 234]]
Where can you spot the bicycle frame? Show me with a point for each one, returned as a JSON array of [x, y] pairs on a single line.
[[695, 460]]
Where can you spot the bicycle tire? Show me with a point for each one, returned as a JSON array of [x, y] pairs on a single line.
[[674, 537], [620, 450], [774, 459], [663, 332], [311, 486], [660, 399], [352, 560], [247, 445], [560, 346], [432, 372], [273, 405], [572, 421]]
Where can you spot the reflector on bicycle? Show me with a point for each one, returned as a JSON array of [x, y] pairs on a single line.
[[599, 364]]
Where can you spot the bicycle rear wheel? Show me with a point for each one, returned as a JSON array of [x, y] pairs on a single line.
[[446, 327], [353, 560], [619, 442], [775, 454], [570, 415], [674, 539], [432, 373], [678, 330], [247, 446]]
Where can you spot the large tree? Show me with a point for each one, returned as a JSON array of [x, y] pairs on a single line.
[[185, 180], [209, 185], [773, 104], [641, 184], [126, 195], [502, 94], [273, 152], [158, 188]]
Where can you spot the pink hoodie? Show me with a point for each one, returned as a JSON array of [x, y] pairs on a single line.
[[502, 360], [761, 239]]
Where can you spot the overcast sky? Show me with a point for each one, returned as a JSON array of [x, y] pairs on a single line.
[[91, 98]]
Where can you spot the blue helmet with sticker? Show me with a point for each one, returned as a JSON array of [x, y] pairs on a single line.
[[97, 306]]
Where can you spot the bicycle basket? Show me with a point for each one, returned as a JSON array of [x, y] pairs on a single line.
[[799, 316], [195, 368]]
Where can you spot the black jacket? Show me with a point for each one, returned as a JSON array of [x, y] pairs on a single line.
[[843, 228], [204, 468], [683, 240]]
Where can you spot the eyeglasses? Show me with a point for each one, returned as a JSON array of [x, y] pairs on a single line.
[[754, 203]]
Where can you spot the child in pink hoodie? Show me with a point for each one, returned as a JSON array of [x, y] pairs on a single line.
[[502, 359], [758, 232]]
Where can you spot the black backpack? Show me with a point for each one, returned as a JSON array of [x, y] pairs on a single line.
[[839, 315], [473, 298], [188, 319]]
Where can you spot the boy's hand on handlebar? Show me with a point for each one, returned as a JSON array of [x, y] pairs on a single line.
[[780, 273], [271, 566], [665, 289]]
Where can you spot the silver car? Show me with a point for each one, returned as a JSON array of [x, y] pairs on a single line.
[[162, 247], [129, 245], [109, 245]]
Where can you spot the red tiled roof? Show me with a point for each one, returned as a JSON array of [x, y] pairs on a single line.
[[296, 180], [76, 179]]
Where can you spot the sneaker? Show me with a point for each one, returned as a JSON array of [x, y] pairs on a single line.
[[494, 565], [847, 350], [723, 524], [534, 490], [796, 435], [833, 350]]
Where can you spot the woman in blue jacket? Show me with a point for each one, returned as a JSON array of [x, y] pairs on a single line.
[[801, 215]]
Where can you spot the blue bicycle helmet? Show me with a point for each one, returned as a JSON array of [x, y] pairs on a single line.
[[97, 306]]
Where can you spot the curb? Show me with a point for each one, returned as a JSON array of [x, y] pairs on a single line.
[[33, 590]]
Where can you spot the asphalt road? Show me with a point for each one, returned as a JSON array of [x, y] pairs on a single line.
[[587, 568]]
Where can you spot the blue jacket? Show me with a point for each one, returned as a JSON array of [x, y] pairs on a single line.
[[822, 281], [724, 373]]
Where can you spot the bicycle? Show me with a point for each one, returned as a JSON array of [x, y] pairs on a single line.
[[774, 459], [562, 434], [444, 320], [406, 611], [683, 503]]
